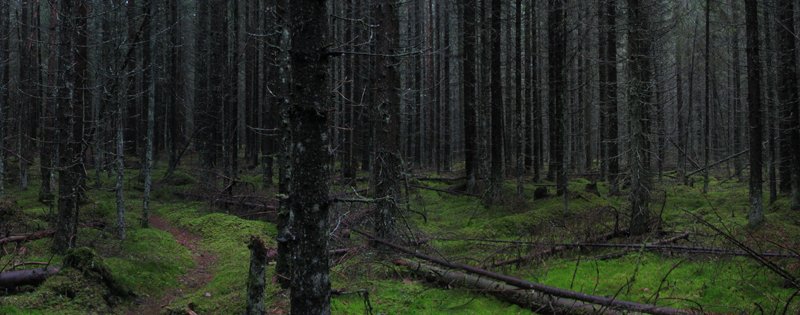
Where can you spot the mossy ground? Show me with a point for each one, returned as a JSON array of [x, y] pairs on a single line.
[[149, 261]]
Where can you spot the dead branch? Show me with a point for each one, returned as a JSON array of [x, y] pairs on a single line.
[[42, 234], [717, 163]]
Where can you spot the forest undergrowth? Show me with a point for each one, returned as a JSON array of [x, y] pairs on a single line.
[[445, 222]]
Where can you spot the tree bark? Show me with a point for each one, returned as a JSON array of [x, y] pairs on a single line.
[[707, 116], [469, 93], [788, 96], [496, 177], [308, 198], [386, 176], [72, 87], [557, 38], [151, 109], [528, 299], [11, 279], [640, 96], [260, 256]]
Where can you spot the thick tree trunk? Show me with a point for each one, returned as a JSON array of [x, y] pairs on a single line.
[[557, 38], [640, 96], [756, 214], [528, 299], [386, 176], [308, 198], [11, 279], [788, 96], [72, 88]]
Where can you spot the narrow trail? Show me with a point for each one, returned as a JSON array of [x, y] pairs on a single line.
[[193, 279]]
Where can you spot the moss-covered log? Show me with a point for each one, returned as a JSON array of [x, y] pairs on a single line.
[[12, 279]]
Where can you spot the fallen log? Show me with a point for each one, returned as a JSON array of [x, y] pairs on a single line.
[[452, 192], [440, 179], [227, 201], [12, 279], [649, 247], [42, 234], [610, 302], [554, 250], [533, 300], [668, 240]]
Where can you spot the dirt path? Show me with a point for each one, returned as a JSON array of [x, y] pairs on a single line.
[[192, 280]]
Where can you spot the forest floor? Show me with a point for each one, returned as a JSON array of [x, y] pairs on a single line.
[[197, 277], [194, 255]]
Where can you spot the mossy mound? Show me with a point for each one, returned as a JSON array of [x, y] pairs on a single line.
[[84, 285], [93, 268]]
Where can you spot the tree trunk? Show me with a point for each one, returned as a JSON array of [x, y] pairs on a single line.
[[707, 114], [497, 106], [788, 96], [640, 96], [151, 109], [469, 96], [72, 87], [18, 278], [532, 300], [557, 38], [260, 256], [3, 30], [308, 198], [386, 177], [519, 128], [756, 214]]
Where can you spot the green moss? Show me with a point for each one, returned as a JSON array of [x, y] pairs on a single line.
[[150, 261], [720, 285], [414, 297], [68, 292], [224, 236]]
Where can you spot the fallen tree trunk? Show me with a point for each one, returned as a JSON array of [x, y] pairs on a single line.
[[668, 240], [42, 234], [446, 191], [533, 300], [12, 279], [554, 250], [610, 302]]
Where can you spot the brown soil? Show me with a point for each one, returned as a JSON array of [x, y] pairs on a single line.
[[192, 280]]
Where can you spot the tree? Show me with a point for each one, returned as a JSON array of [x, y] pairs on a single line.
[[496, 177], [557, 38], [639, 102], [152, 8], [469, 93], [756, 214], [788, 97], [3, 32], [72, 87], [608, 90], [308, 199], [707, 124], [388, 162]]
